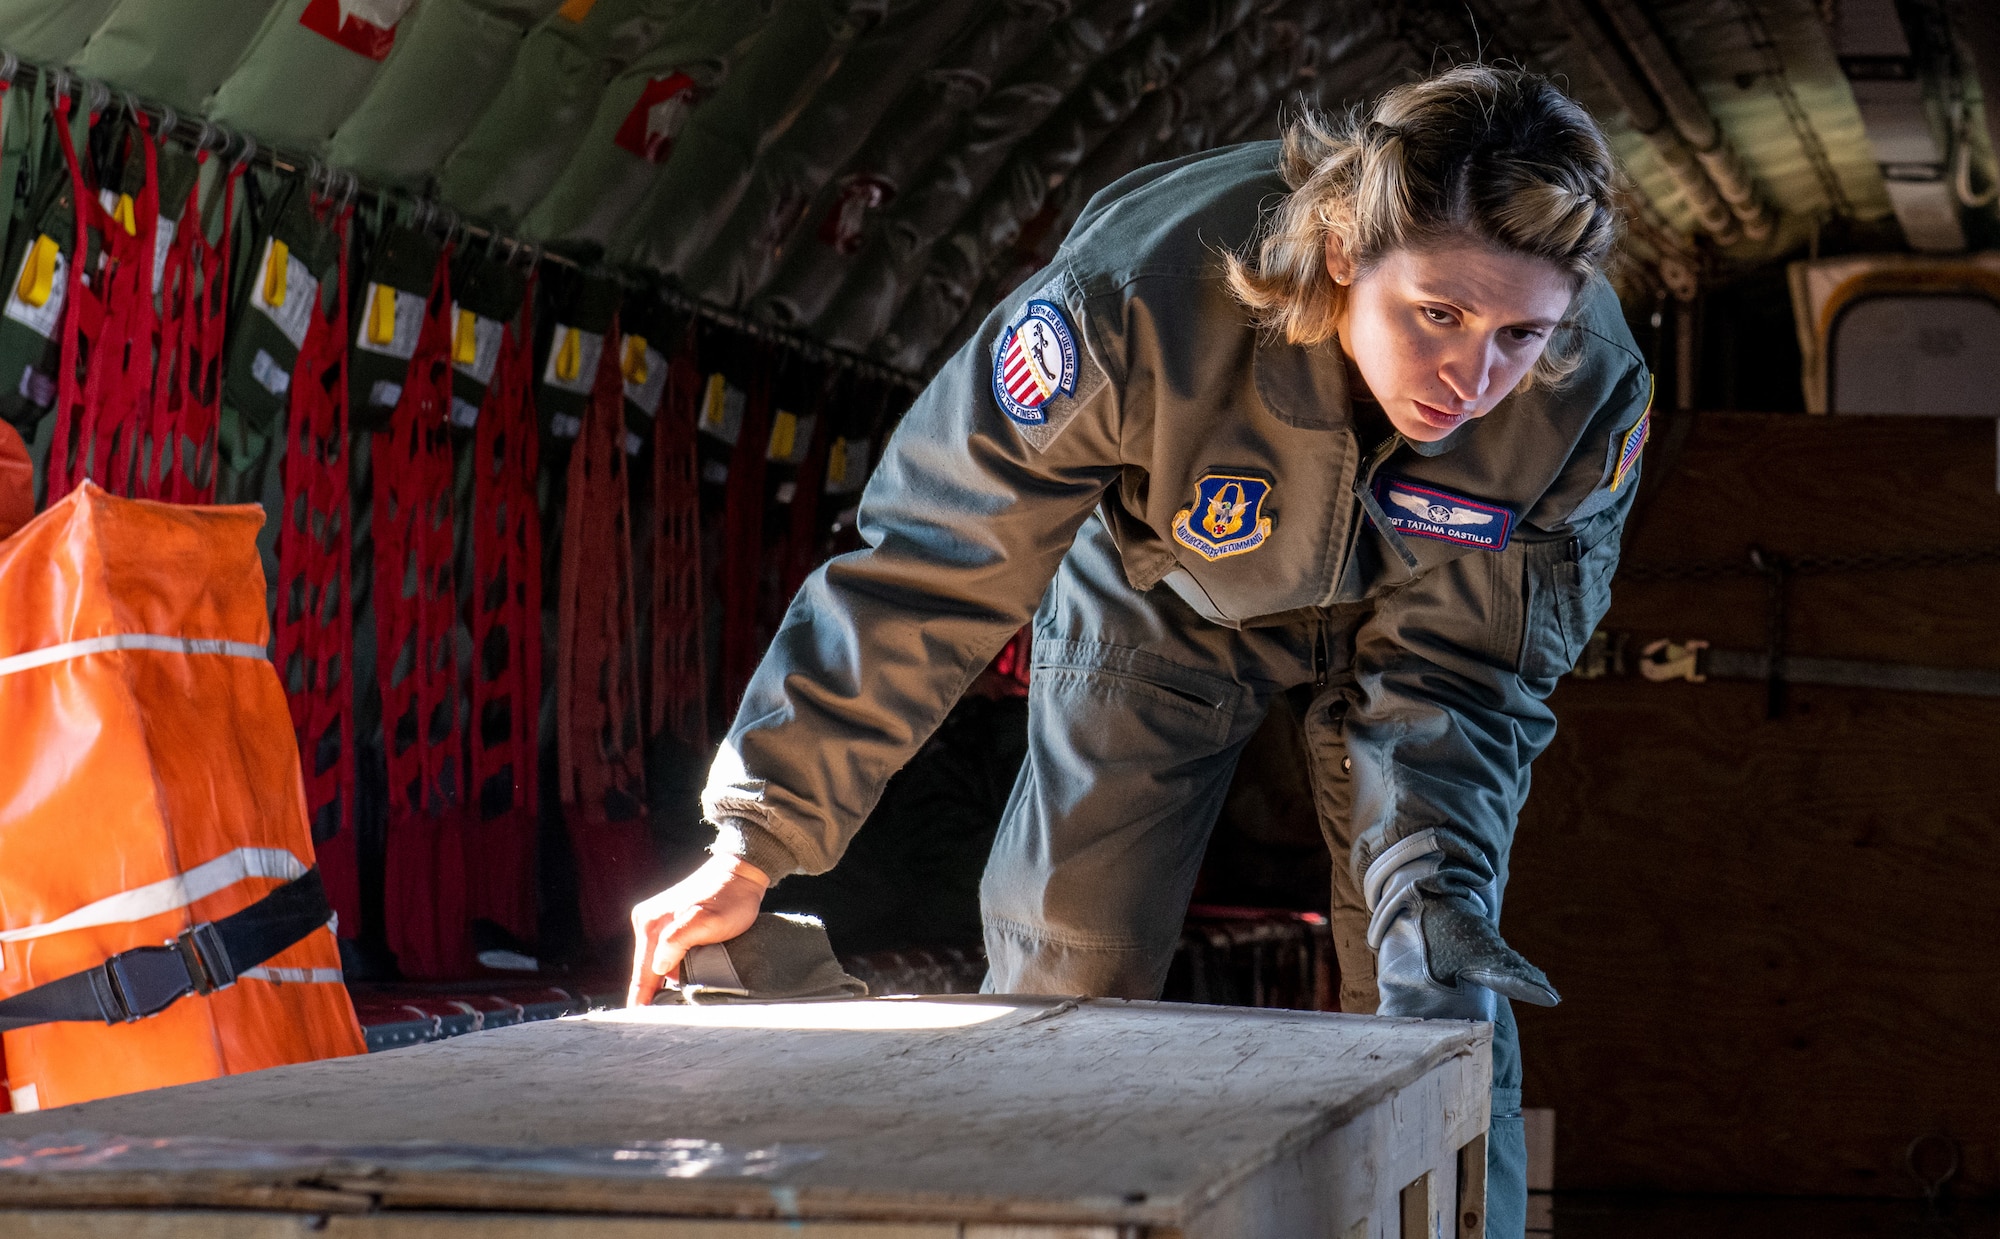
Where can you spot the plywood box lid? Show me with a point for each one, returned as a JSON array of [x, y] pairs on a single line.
[[1001, 1108]]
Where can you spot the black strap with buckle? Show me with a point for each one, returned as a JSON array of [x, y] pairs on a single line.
[[147, 980]]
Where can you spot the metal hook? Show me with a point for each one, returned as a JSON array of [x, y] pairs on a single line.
[[170, 120], [10, 64], [60, 84], [350, 189], [249, 150], [204, 138], [100, 96]]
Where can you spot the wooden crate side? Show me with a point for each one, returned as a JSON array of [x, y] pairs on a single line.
[[1773, 936]]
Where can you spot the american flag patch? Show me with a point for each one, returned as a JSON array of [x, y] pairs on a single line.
[[1635, 442]]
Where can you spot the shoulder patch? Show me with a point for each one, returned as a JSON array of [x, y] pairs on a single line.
[[1427, 512], [1226, 518], [1036, 361], [1635, 441]]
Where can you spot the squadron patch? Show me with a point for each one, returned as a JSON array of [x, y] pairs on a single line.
[[1227, 516], [1635, 442], [1035, 363], [1426, 512]]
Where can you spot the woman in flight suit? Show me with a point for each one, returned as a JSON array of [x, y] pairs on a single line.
[[1357, 410]]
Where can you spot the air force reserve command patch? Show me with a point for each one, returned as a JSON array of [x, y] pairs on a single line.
[[1035, 363], [1426, 512], [1226, 518]]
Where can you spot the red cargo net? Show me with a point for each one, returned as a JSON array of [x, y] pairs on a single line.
[[416, 613], [314, 624], [506, 609], [597, 690], [680, 674]]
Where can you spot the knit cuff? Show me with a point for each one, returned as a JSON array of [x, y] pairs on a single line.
[[753, 845]]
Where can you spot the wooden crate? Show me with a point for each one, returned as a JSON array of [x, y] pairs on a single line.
[[970, 1118]]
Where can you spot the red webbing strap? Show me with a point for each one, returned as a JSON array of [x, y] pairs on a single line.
[[597, 689], [743, 545], [314, 629], [82, 320], [416, 659], [680, 674], [802, 542], [121, 374], [506, 608]]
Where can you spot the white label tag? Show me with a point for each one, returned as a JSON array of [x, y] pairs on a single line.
[[294, 314], [37, 388], [633, 444], [787, 491], [715, 472], [464, 413], [647, 394], [565, 426], [408, 323], [722, 409], [265, 369], [846, 466], [163, 241], [385, 393], [573, 356], [42, 319], [486, 334]]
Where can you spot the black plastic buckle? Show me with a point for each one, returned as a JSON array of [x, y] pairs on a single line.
[[147, 980]]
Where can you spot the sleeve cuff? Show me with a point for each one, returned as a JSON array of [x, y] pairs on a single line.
[[753, 845]]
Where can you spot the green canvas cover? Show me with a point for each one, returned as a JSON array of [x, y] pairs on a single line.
[[601, 185], [385, 316], [50, 31], [767, 92], [176, 54], [294, 86], [451, 58], [269, 315], [537, 122]]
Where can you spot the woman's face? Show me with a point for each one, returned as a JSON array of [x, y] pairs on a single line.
[[1441, 334]]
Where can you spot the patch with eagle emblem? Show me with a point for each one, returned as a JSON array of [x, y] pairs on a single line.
[[1426, 512], [1226, 518]]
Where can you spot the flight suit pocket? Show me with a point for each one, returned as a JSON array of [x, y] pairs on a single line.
[[1568, 589], [1087, 678], [1552, 575]]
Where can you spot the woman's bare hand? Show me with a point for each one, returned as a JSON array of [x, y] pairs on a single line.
[[713, 904]]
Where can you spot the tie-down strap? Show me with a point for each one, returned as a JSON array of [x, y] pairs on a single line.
[[147, 980]]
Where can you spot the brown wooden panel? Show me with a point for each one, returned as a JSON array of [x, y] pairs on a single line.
[[1779, 940]]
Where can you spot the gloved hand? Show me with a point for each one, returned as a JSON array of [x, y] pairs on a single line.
[[1438, 956]]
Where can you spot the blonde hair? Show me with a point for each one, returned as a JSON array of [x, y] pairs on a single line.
[[1476, 152]]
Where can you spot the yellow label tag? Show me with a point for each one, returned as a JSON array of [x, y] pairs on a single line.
[[276, 266], [569, 355], [784, 435], [635, 360], [712, 412], [126, 217], [465, 339], [382, 315], [836, 463], [38, 275]]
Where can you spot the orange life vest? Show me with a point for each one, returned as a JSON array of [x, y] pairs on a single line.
[[149, 785]]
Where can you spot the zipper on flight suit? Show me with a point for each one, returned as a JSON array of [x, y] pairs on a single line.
[[1319, 653]]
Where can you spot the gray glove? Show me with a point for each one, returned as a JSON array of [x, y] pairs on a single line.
[[1438, 956]]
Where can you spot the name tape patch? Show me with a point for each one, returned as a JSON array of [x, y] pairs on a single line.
[[1426, 512], [1226, 518], [1035, 363]]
